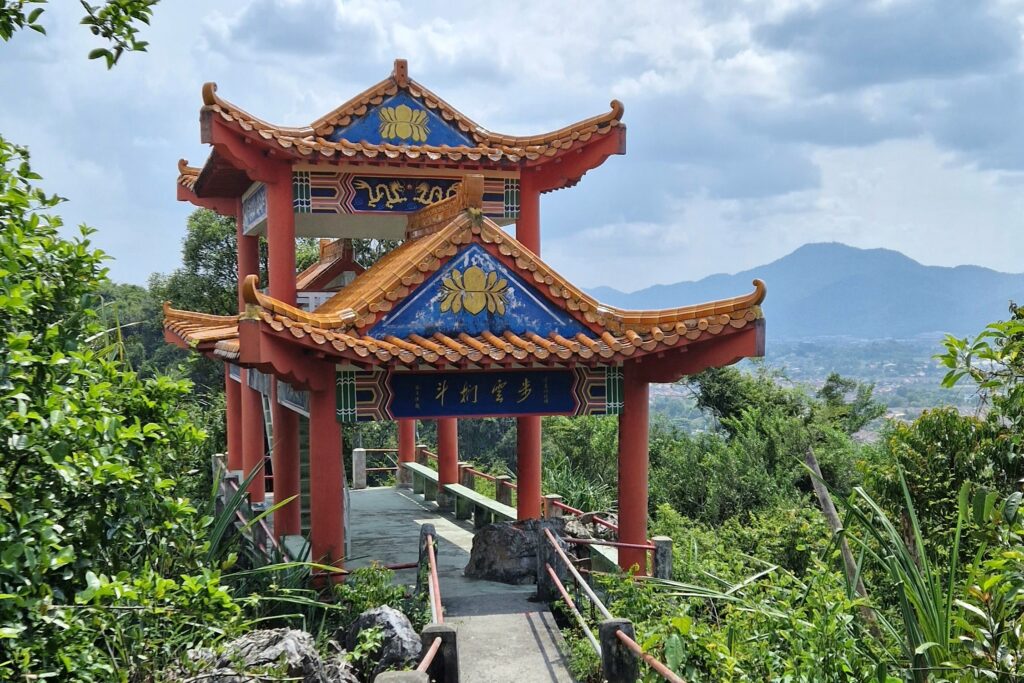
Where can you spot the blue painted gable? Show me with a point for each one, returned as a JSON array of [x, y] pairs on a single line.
[[402, 120], [472, 293]]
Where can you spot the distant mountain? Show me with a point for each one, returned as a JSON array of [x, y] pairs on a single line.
[[831, 289]]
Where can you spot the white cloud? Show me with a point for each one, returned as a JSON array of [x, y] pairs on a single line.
[[735, 155]]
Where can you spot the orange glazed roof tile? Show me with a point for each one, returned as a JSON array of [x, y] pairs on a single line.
[[187, 175], [312, 140], [341, 324]]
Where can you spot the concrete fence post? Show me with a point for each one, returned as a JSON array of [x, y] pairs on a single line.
[[547, 591], [550, 509], [423, 560], [502, 490], [618, 664], [662, 557], [466, 477], [421, 455], [445, 668], [359, 468]]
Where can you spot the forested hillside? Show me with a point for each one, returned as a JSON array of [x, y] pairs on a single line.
[[831, 289]]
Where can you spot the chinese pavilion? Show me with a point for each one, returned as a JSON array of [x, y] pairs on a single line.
[[460, 321]]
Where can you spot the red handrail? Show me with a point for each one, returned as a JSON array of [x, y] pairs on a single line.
[[635, 648], [576, 575], [433, 584], [613, 544], [572, 608], [428, 658], [478, 473], [631, 644]]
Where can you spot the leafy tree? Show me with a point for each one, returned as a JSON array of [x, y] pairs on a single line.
[[90, 511], [369, 251], [115, 21]]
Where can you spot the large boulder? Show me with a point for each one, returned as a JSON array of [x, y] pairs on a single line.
[[282, 651], [401, 642], [507, 551]]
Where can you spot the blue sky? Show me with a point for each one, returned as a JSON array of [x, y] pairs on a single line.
[[754, 127]]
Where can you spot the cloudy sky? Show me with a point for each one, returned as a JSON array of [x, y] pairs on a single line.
[[754, 127]]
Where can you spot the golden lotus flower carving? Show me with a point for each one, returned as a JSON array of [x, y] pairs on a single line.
[[474, 291], [404, 123]]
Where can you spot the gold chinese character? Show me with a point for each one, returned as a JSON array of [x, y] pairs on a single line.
[[442, 389], [525, 389], [498, 391], [468, 393]]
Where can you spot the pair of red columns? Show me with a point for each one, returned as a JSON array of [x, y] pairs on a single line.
[[245, 409]]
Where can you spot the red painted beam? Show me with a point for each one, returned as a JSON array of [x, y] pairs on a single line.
[[242, 153], [566, 169], [225, 206], [281, 357], [728, 347]]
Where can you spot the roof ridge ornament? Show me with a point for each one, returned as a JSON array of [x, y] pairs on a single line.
[[400, 73], [210, 94]]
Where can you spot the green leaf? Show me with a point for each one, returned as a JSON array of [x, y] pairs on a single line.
[[1010, 507], [674, 653]]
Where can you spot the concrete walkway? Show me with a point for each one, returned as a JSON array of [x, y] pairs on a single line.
[[503, 636]]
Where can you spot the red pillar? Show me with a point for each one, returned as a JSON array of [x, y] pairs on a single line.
[[281, 264], [252, 438], [250, 411], [447, 451], [281, 237], [233, 417], [528, 430], [633, 455], [326, 480], [285, 452], [406, 449]]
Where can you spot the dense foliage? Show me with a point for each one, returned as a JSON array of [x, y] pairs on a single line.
[[761, 593], [113, 560]]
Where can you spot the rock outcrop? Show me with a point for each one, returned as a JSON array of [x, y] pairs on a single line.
[[401, 644], [507, 551], [281, 652]]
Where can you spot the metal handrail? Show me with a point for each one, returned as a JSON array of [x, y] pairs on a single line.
[[577, 576], [631, 644], [428, 658], [613, 544], [572, 608], [433, 585]]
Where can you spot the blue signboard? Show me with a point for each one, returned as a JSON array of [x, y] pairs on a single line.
[[364, 396], [472, 293], [482, 393], [402, 120]]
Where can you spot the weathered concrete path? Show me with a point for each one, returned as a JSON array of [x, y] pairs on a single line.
[[503, 636]]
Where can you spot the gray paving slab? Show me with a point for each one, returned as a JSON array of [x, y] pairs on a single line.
[[503, 635]]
